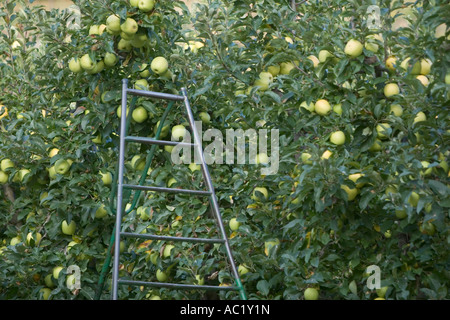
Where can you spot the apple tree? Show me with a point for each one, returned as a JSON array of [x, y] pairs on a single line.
[[359, 93]]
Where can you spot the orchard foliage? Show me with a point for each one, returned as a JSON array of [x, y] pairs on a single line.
[[379, 198]]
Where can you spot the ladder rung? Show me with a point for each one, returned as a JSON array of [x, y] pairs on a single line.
[[175, 285], [158, 95], [158, 142], [169, 190], [157, 237]]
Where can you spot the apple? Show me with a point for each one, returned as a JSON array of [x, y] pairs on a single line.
[[139, 114], [262, 84], [14, 241], [426, 166], [401, 214], [324, 55], [141, 84], [124, 45], [139, 40], [397, 110], [137, 162], [423, 79], [101, 212], [68, 229], [413, 199], [159, 65], [337, 108], [3, 177], [234, 224], [56, 271], [167, 250], [62, 166], [110, 59], [381, 292], [351, 192], [274, 70], [268, 245], [428, 228], [45, 293], [94, 29], [337, 138], [383, 130], [194, 167], [327, 154], [119, 111], [322, 107], [311, 294], [5, 164], [286, 67], [262, 190], [420, 116], [75, 65], [161, 276], [146, 5], [391, 63], [242, 269], [113, 24], [425, 66], [130, 26], [314, 60], [178, 132], [70, 281], [205, 117], [447, 78], [33, 239], [391, 89], [305, 158], [134, 3], [106, 178], [309, 107], [262, 158], [353, 48], [354, 177], [48, 281], [86, 62], [22, 173]]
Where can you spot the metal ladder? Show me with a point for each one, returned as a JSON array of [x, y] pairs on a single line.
[[122, 187]]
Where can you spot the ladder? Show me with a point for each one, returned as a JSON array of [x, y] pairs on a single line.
[[122, 188]]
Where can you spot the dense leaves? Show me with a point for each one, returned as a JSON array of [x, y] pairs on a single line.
[[324, 236]]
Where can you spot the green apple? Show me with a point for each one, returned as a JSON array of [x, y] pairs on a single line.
[[274, 70], [33, 239], [397, 110], [311, 294], [376, 146], [144, 72], [56, 271], [86, 62], [106, 178], [314, 60], [426, 166], [262, 158], [194, 167], [322, 107], [167, 250], [94, 29], [423, 79], [324, 55], [355, 177], [420, 116], [305, 158], [141, 84], [110, 59], [428, 228], [119, 111], [124, 45], [101, 212], [113, 24], [262, 190], [381, 292], [391, 89], [391, 63], [134, 3], [383, 130], [62, 166], [286, 67], [139, 114], [447, 78], [130, 26], [309, 107], [268, 245], [262, 84], [199, 280], [178, 132], [242, 269], [138, 162], [139, 40], [161, 276], [337, 108], [353, 48], [146, 5], [351, 192], [14, 241], [413, 199], [6, 164], [164, 131], [75, 65], [142, 212], [45, 293], [401, 214], [337, 138], [48, 281], [68, 229], [3, 177], [205, 117], [234, 224], [70, 281], [159, 65]]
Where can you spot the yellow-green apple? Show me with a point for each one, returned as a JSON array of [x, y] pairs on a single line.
[[262, 158], [124, 45], [391, 89], [383, 130], [353, 48], [423, 79], [68, 228], [337, 138], [130, 26], [113, 24], [324, 55], [3, 177], [274, 70], [205, 117], [161, 276], [5, 164], [62, 166], [146, 5], [75, 65], [159, 65], [33, 239], [309, 107], [106, 177], [268, 245], [391, 63], [305, 158], [242, 269], [322, 107], [45, 293], [234, 224], [101, 212], [314, 60], [397, 110], [337, 108], [178, 132], [351, 192], [110, 59], [420, 116], [139, 114], [86, 62], [194, 167], [262, 190], [167, 250], [311, 294], [139, 40], [286, 67]]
